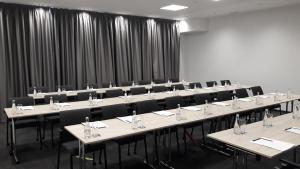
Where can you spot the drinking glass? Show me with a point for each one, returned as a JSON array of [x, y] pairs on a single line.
[[243, 125]]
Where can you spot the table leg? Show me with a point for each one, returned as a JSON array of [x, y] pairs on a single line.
[[167, 165], [14, 146], [81, 155]]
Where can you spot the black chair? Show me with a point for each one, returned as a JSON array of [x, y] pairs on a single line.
[[53, 118], [120, 110], [81, 96], [107, 84], [129, 83], [241, 93], [69, 142], [147, 106], [211, 83], [224, 95], [144, 82], [91, 86], [225, 81], [178, 86], [257, 90], [157, 89], [138, 90], [42, 89], [159, 81], [113, 93], [22, 123], [174, 80], [197, 84], [172, 102], [201, 98], [67, 87], [286, 164]]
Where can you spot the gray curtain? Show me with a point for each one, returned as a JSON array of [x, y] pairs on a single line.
[[50, 47]]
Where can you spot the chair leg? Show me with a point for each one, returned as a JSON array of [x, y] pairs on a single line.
[[135, 146], [100, 157], [94, 163], [52, 141], [105, 158], [146, 151], [156, 146], [40, 137], [203, 134], [7, 133], [192, 132], [120, 159], [71, 162], [184, 139], [58, 156], [177, 140]]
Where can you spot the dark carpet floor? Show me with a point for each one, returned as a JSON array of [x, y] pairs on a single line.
[[32, 157]]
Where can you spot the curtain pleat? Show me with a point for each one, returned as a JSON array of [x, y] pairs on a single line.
[[50, 47]]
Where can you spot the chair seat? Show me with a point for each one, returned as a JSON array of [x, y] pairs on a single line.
[[72, 147], [26, 123], [54, 118], [130, 139]]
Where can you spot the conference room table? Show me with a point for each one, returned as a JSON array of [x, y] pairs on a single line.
[[73, 93], [153, 122], [243, 143], [45, 109]]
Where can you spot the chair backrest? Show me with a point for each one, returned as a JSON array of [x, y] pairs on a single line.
[[178, 86], [42, 89], [81, 96], [159, 81], [174, 80], [224, 95], [211, 83], [147, 106], [192, 85], [172, 102], [225, 81], [66, 87], [106, 84], [113, 111], [257, 90], [59, 97], [138, 90], [25, 101], [157, 89], [71, 117], [91, 85], [201, 98], [129, 83], [144, 82], [113, 93], [241, 93]]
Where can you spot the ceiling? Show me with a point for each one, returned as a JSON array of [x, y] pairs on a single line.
[[151, 8]]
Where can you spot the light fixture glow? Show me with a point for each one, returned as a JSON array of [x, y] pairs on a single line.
[[216, 0], [174, 7]]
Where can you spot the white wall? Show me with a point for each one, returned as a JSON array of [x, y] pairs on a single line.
[[261, 47]]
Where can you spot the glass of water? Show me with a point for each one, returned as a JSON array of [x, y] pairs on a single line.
[[243, 125]]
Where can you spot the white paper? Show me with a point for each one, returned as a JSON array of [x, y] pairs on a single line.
[[207, 88], [126, 119], [275, 144], [220, 104], [280, 94], [126, 97], [164, 113], [190, 90], [192, 108], [98, 100], [63, 104], [245, 100], [295, 130], [25, 108], [169, 92], [264, 96], [97, 124]]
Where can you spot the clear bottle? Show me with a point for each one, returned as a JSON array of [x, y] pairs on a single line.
[[237, 128], [87, 128], [91, 99], [134, 120], [265, 120], [288, 94], [195, 86], [59, 89], [149, 92], [13, 105], [235, 104], [178, 113], [110, 85], [87, 87], [51, 103], [133, 83], [206, 108], [34, 91], [152, 83], [174, 89]]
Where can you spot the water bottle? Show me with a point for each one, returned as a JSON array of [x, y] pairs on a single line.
[[51, 102], [13, 105], [134, 120], [59, 89], [152, 83], [87, 128], [265, 120], [205, 108], [91, 99], [178, 113], [34, 91], [87, 87], [288, 94], [110, 85], [235, 105], [149, 92], [133, 83], [195, 86], [174, 89], [237, 128]]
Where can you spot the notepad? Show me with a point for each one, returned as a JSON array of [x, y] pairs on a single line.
[[295, 130], [220, 104], [272, 143], [25, 108], [97, 124], [63, 104], [192, 108], [98, 100], [264, 96], [126, 97], [244, 100], [164, 113], [126, 119], [207, 88]]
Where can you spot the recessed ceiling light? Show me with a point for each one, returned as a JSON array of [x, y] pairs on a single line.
[[216, 0], [174, 7]]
